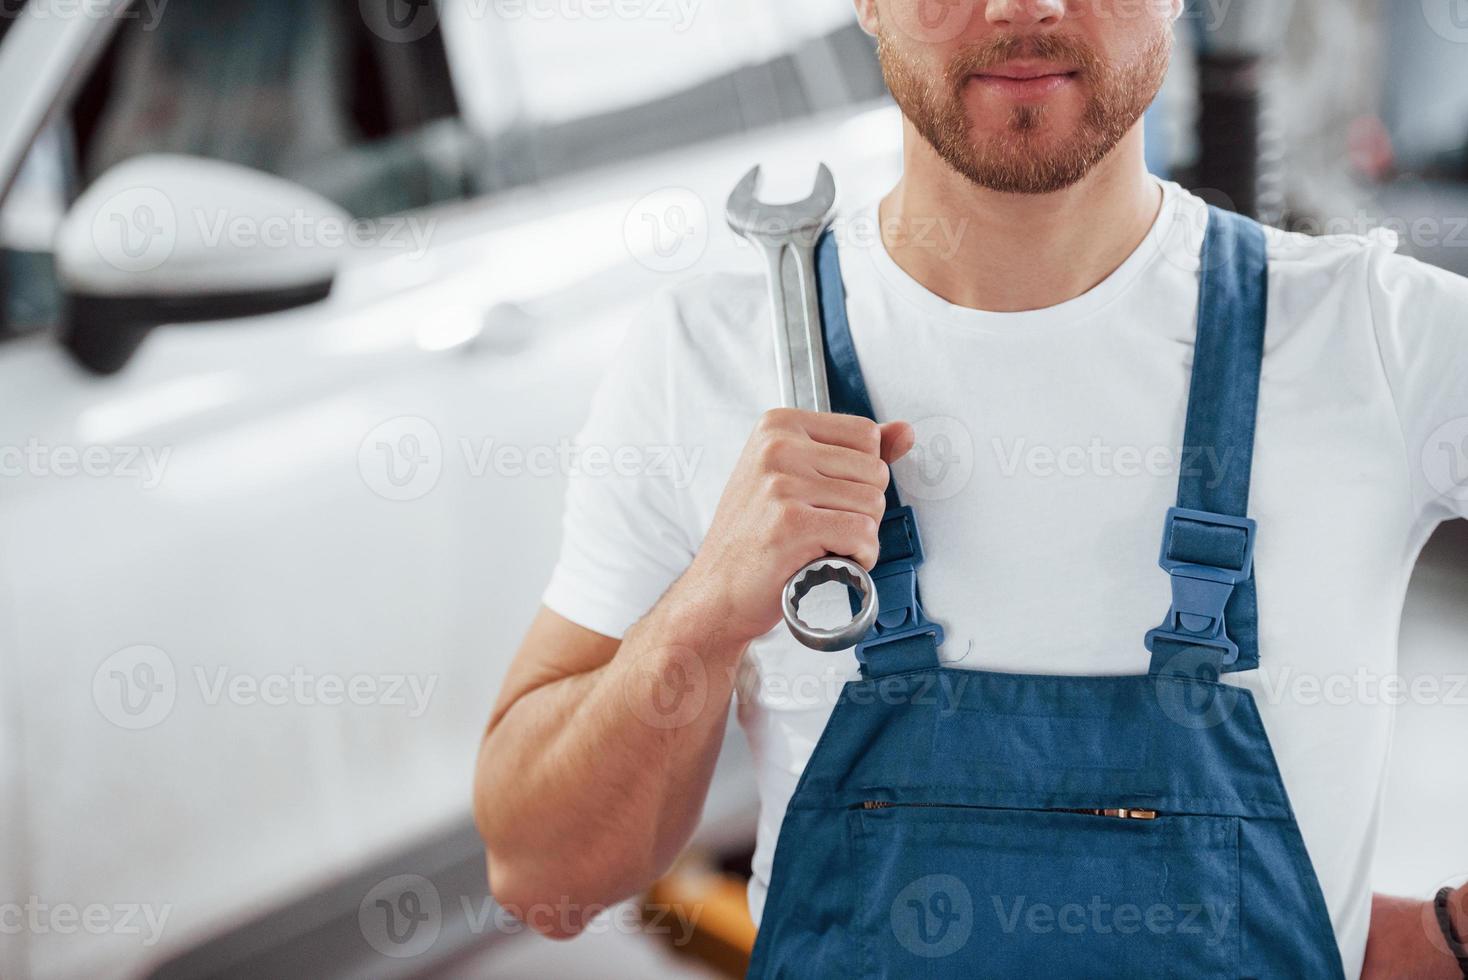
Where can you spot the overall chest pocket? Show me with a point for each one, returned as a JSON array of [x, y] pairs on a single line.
[[977, 892]]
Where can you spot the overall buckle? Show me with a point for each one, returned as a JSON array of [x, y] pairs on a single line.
[[1207, 555], [899, 613]]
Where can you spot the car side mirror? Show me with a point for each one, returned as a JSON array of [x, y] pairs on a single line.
[[177, 239]]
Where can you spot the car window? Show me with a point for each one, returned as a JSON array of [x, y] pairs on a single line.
[[652, 48], [300, 89], [303, 89], [28, 223], [678, 71]]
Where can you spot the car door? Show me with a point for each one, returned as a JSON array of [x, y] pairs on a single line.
[[228, 571], [251, 638]]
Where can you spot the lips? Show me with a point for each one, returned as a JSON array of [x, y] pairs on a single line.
[[1026, 79]]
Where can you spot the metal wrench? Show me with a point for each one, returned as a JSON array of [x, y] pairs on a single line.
[[787, 234]]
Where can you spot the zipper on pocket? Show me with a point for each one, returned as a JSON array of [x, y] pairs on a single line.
[[1116, 813]]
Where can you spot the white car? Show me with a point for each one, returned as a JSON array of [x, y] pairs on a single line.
[[299, 312], [282, 455]]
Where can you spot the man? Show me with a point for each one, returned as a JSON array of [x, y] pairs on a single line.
[[1047, 362]]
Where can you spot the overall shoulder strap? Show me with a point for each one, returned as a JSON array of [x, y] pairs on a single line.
[[1208, 542], [903, 638]]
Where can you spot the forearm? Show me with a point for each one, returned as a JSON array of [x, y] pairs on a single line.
[[1406, 940], [590, 784]]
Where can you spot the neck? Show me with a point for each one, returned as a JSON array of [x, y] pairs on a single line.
[[1008, 253]]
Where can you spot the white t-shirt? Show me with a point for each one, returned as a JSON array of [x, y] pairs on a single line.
[[1048, 450]]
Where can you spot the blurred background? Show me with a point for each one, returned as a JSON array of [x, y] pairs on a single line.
[[300, 303]]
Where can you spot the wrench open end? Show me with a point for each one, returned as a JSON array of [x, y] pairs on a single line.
[[830, 569], [800, 221]]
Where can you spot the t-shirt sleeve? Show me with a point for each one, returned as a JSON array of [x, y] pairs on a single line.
[[1421, 318], [622, 541]]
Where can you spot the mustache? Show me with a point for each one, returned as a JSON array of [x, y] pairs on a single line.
[[1003, 48]]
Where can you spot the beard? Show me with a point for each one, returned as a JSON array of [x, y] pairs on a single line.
[[1029, 156]]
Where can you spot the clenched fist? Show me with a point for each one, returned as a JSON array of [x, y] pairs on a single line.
[[807, 485]]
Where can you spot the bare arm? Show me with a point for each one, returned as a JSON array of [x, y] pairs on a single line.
[[598, 756], [595, 767]]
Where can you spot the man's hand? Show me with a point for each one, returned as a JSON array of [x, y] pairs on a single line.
[[588, 786], [807, 485], [1404, 944]]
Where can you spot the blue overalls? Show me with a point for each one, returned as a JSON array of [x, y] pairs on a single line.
[[956, 823]]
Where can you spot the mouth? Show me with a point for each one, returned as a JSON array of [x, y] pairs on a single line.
[[1026, 80]]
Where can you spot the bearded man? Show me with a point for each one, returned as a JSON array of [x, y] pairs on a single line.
[[1018, 771]]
